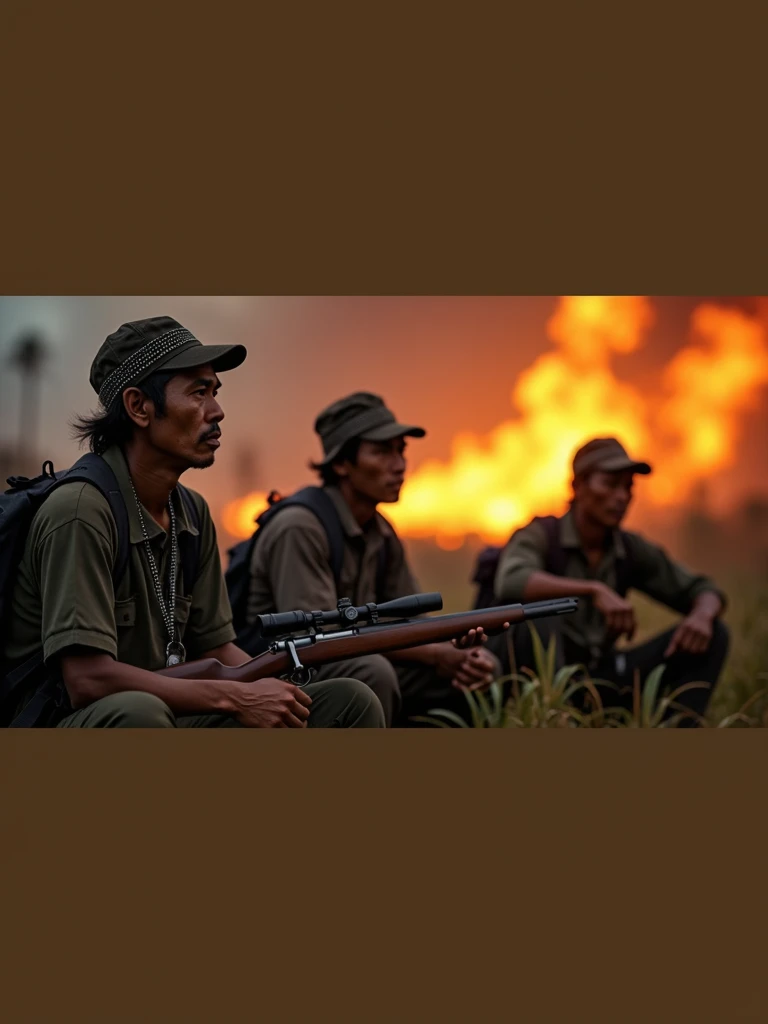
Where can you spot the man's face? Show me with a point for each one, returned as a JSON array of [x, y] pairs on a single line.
[[189, 431], [605, 497], [379, 471]]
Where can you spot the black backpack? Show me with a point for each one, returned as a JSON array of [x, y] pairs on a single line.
[[18, 506], [238, 574], [487, 563]]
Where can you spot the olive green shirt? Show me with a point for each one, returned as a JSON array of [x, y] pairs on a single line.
[[652, 572], [64, 595], [291, 563]]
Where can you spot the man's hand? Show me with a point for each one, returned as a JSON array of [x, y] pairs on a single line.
[[474, 638], [618, 612], [270, 704], [473, 668], [693, 635], [478, 668], [477, 671]]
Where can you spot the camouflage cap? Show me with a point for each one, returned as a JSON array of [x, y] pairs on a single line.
[[360, 415], [608, 455], [142, 347]]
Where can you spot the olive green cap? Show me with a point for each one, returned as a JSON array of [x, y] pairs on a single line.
[[608, 455], [360, 415]]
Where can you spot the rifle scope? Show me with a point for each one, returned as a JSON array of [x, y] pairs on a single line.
[[345, 614]]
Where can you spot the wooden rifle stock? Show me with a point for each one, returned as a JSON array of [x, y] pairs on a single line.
[[379, 639]]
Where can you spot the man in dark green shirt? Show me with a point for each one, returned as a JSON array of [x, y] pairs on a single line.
[[586, 554], [157, 385]]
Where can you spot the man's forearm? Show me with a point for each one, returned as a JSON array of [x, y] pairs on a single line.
[[90, 678], [427, 654], [541, 586], [228, 654], [708, 603]]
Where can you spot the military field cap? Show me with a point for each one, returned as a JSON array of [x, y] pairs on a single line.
[[360, 415], [607, 454], [142, 347]]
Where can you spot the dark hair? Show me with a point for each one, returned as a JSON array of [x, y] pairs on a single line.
[[348, 453], [115, 426]]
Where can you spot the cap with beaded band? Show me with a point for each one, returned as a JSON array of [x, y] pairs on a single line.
[[142, 347]]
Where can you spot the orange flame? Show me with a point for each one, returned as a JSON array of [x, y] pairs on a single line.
[[689, 430], [708, 386], [521, 469]]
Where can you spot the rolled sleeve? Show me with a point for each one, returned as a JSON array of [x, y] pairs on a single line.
[[523, 555], [73, 564], [667, 581]]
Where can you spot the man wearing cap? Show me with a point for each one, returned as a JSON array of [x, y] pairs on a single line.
[[104, 640], [363, 466], [586, 554]]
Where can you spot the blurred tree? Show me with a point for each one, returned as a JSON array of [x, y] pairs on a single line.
[[28, 356]]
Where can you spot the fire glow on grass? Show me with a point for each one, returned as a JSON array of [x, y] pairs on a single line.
[[688, 427]]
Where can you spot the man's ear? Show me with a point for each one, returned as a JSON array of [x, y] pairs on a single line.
[[138, 406], [340, 469]]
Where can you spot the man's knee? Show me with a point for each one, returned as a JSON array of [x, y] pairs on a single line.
[[134, 710], [364, 706], [344, 703], [380, 675]]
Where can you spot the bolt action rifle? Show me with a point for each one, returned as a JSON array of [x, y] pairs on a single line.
[[299, 640]]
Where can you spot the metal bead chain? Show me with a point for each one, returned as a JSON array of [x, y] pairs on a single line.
[[169, 610]]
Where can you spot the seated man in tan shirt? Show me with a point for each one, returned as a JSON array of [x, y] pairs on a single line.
[[363, 466], [586, 554]]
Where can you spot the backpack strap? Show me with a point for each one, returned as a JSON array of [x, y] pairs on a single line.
[[555, 557], [94, 470], [316, 500], [189, 544]]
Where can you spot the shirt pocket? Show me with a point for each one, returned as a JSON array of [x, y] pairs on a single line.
[[125, 613], [183, 608]]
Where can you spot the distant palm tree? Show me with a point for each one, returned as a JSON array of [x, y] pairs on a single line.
[[28, 356]]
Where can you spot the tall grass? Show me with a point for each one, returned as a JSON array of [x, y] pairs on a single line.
[[546, 698]]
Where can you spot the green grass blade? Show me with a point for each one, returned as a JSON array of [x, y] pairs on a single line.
[[564, 676], [539, 657], [451, 716], [650, 694], [551, 661], [427, 720], [486, 717], [737, 716], [497, 694]]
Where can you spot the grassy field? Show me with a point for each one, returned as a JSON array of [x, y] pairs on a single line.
[[746, 668]]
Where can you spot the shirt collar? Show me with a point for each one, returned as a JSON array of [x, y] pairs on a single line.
[[349, 524], [569, 537], [115, 459]]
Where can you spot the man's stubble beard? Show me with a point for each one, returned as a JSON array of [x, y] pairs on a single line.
[[204, 464]]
